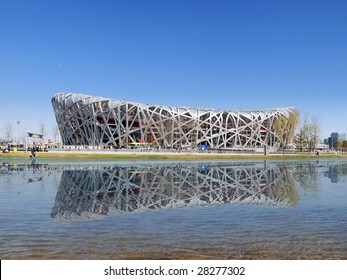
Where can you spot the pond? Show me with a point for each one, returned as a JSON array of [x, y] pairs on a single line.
[[173, 210]]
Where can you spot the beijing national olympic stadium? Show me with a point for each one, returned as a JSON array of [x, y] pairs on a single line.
[[85, 120]]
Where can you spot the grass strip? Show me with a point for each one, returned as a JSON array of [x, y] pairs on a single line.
[[175, 156]]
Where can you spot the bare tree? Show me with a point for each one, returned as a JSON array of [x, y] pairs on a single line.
[[314, 132], [8, 130], [285, 127], [309, 133], [42, 127], [56, 132], [22, 136]]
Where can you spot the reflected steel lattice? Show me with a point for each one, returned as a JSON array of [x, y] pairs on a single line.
[[88, 120], [93, 192]]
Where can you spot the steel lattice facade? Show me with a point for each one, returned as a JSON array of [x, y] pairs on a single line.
[[96, 121]]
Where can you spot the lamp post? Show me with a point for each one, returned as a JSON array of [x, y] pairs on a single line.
[[94, 142], [18, 122]]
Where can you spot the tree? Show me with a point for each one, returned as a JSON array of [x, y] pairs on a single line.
[[344, 146], [22, 137], [8, 129], [42, 127], [300, 140], [285, 126], [308, 135], [56, 132], [314, 131]]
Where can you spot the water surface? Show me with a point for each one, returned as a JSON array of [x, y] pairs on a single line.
[[174, 210]]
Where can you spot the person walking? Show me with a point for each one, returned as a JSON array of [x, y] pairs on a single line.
[[33, 152]]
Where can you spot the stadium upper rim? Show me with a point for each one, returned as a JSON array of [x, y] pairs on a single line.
[[72, 98]]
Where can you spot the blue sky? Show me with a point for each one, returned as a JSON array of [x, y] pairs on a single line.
[[236, 54]]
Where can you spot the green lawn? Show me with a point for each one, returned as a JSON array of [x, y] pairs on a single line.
[[153, 156]]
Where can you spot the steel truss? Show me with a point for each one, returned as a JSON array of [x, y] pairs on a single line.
[[86, 120]]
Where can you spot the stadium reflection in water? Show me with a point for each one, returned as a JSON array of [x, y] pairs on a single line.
[[93, 192], [174, 210]]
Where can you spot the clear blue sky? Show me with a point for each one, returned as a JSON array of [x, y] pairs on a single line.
[[232, 54]]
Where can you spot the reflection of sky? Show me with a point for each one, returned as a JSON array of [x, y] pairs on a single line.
[[25, 209], [319, 218], [330, 195]]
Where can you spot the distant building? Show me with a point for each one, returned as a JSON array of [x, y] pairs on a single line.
[[334, 139], [4, 142], [322, 146]]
